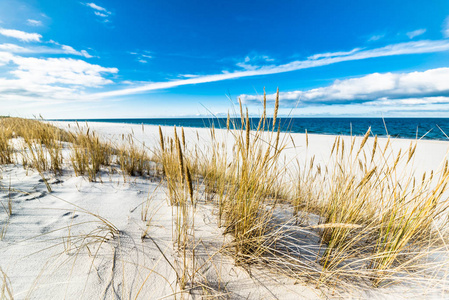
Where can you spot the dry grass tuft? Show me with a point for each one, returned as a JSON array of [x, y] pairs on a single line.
[[246, 186], [42, 144], [132, 160], [89, 153]]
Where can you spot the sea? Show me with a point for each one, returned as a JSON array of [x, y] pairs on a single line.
[[410, 128]]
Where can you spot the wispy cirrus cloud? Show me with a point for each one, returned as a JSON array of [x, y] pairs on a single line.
[[99, 11], [97, 7], [71, 50], [252, 62], [445, 28], [12, 48], [21, 35], [414, 88], [41, 49], [413, 47], [142, 56], [334, 54], [376, 37], [35, 23], [415, 33]]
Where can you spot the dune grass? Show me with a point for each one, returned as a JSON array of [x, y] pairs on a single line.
[[89, 153], [133, 159], [377, 221], [6, 150], [42, 145], [181, 197]]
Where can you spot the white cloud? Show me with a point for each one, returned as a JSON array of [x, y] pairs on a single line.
[[33, 79], [32, 82], [5, 58], [376, 37], [189, 76], [62, 49], [253, 62], [97, 7], [60, 70], [414, 47], [100, 14], [446, 28], [415, 33], [21, 35], [334, 54], [409, 101], [34, 22], [99, 11], [13, 48], [431, 86], [70, 50], [141, 57]]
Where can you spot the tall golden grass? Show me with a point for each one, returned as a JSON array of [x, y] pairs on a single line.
[[42, 144], [89, 153], [377, 221], [133, 159], [181, 196]]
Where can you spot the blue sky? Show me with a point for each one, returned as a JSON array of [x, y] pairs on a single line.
[[106, 59]]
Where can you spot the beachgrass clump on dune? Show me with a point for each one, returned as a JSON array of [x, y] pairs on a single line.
[[42, 144], [378, 221], [246, 183], [6, 150], [178, 177], [251, 177], [133, 160], [89, 153]]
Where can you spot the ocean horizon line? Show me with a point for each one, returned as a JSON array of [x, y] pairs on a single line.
[[397, 127]]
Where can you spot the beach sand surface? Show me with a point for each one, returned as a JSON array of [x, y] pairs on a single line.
[[58, 246]]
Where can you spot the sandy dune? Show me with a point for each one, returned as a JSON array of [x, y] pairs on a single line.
[[57, 245]]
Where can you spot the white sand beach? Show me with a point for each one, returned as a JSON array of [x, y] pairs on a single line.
[[113, 238]]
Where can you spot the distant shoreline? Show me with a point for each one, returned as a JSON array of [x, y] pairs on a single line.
[[403, 128]]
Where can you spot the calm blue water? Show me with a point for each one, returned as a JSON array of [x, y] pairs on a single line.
[[397, 127]]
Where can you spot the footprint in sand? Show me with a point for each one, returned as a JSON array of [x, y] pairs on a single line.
[[33, 196], [70, 214]]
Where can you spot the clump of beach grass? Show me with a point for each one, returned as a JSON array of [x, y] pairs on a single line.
[[246, 185], [42, 144], [6, 150], [89, 153], [178, 176], [378, 221], [133, 160]]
